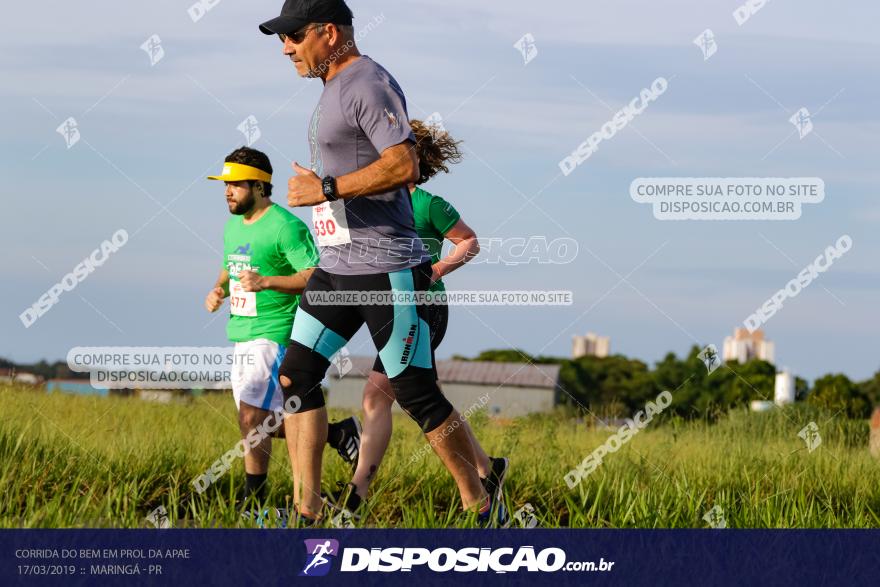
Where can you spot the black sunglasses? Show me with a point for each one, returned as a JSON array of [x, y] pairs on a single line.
[[299, 36]]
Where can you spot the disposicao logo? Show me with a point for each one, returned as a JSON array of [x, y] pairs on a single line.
[[319, 551]]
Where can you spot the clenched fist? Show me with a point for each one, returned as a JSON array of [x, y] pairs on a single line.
[[304, 188], [215, 299], [251, 281]]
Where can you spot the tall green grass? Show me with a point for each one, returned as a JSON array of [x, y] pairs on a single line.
[[68, 461]]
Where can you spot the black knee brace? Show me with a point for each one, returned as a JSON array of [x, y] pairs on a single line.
[[305, 369], [420, 397]]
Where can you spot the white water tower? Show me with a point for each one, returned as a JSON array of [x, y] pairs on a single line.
[[784, 392]]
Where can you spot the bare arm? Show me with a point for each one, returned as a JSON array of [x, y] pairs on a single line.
[[220, 291], [466, 248], [396, 167], [223, 281], [288, 284]]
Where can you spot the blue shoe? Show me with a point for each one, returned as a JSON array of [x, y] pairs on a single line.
[[267, 518], [494, 486]]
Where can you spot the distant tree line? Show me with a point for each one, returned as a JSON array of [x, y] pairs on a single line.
[[56, 370], [618, 386]]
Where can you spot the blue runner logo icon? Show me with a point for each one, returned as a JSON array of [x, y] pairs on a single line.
[[319, 551]]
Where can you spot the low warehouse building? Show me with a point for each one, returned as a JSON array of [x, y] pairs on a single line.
[[505, 390]]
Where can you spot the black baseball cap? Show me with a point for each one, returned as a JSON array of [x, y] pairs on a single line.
[[295, 14]]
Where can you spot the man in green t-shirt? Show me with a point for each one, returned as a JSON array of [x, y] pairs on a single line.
[[268, 256]]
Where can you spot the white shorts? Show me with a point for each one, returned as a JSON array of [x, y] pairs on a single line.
[[255, 374]]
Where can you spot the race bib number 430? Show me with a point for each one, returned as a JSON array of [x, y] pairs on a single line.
[[331, 226], [241, 303]]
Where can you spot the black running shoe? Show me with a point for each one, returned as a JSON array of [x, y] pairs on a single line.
[[345, 437], [345, 499], [494, 485]]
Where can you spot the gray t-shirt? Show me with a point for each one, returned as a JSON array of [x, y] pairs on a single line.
[[361, 113]]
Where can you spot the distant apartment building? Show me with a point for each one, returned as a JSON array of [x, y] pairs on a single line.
[[591, 345], [744, 346]]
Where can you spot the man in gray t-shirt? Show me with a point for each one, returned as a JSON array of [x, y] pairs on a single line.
[[362, 159], [361, 113]]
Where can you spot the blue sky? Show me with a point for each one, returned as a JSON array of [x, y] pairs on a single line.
[[149, 134]]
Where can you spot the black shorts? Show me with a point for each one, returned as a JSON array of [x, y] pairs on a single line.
[[438, 320], [400, 332], [334, 307]]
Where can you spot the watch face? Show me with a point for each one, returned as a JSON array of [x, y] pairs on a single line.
[[327, 188]]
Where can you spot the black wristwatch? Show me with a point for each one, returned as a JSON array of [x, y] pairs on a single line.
[[328, 186]]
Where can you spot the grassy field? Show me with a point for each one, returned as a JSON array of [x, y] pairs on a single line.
[[68, 461]]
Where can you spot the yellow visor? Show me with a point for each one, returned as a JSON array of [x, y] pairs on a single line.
[[239, 172]]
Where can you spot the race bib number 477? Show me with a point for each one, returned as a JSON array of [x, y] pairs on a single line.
[[331, 226], [241, 302]]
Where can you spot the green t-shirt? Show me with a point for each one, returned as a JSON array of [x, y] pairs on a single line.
[[278, 243], [434, 217]]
